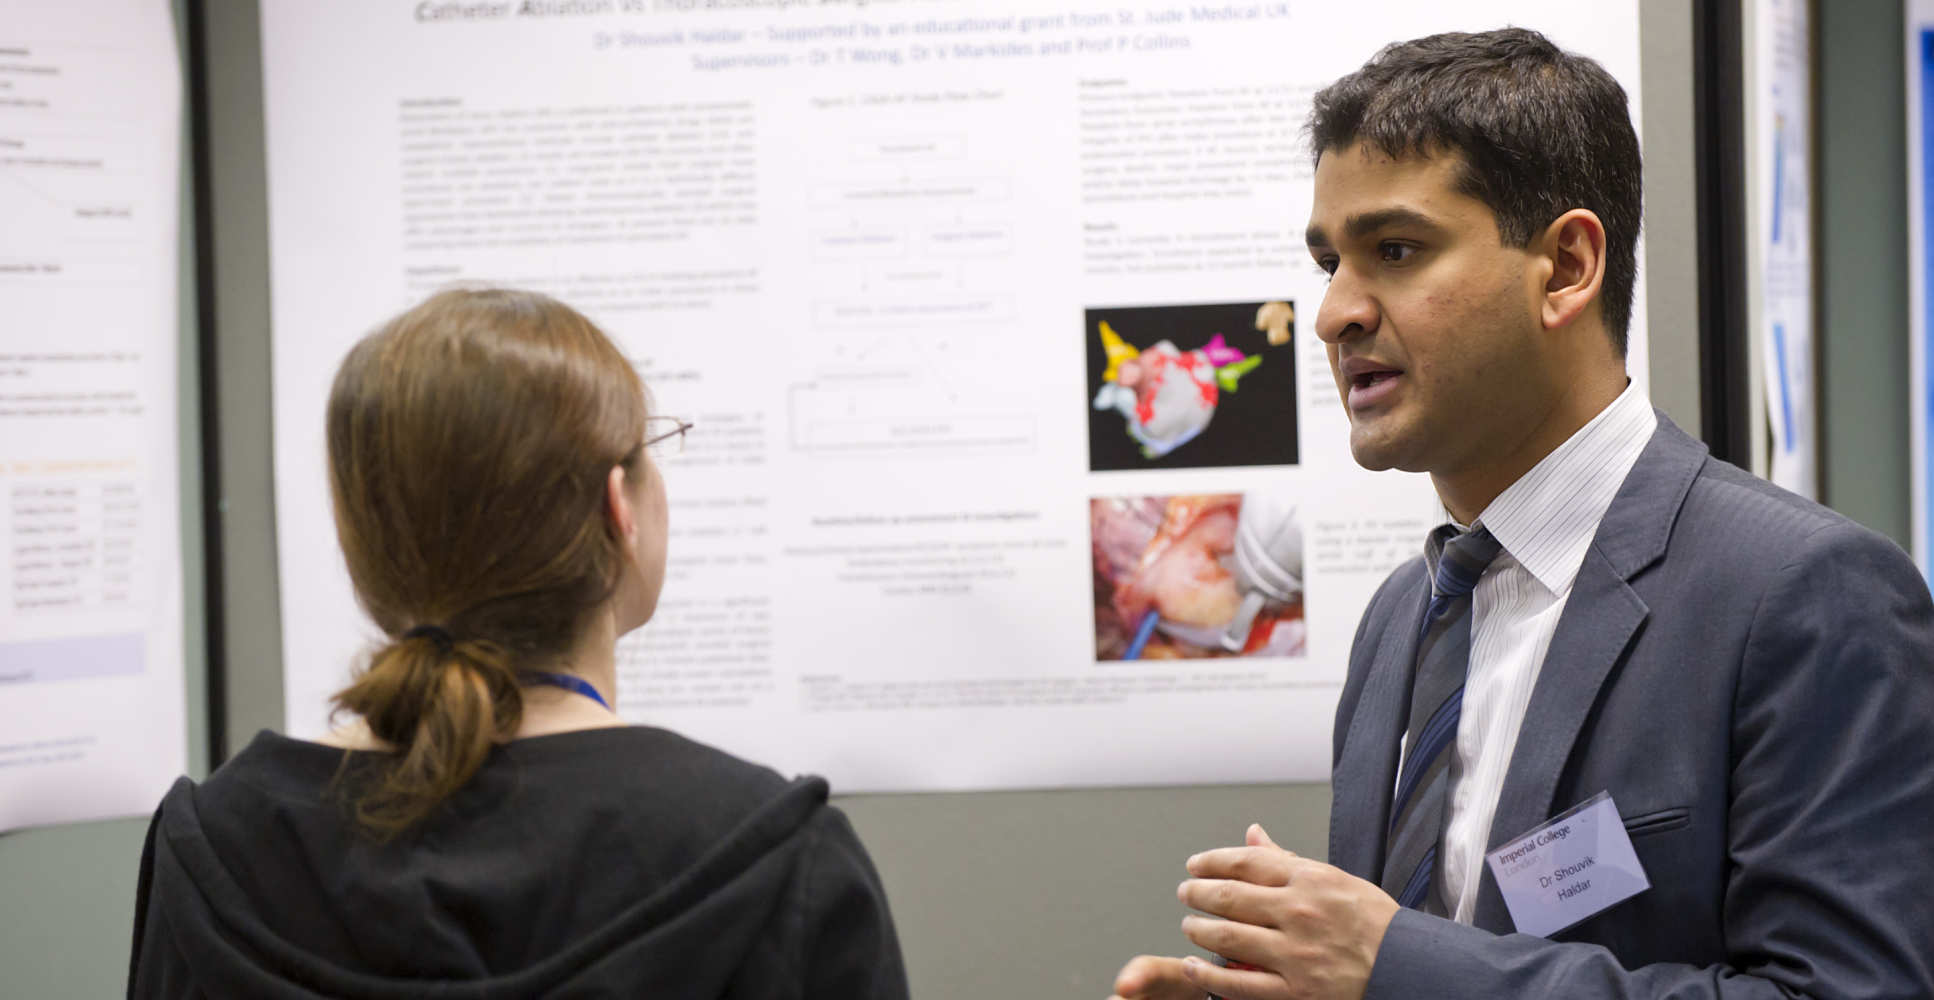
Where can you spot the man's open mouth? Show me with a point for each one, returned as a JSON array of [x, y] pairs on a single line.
[[1368, 379]]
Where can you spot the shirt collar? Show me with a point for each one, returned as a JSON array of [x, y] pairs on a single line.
[[1547, 518]]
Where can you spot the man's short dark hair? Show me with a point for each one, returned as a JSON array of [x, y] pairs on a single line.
[[1540, 132]]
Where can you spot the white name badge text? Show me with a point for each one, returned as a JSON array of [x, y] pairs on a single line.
[[1568, 869]]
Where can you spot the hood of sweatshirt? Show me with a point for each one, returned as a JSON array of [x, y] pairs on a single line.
[[622, 862]]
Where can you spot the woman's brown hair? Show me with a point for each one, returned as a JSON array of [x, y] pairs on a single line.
[[470, 443]]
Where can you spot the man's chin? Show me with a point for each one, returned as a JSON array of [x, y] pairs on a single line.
[[1378, 452]]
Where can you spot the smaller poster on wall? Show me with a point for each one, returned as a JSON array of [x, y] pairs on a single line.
[[92, 707], [1782, 227]]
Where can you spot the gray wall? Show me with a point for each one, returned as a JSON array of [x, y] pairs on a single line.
[[1863, 251], [1021, 894]]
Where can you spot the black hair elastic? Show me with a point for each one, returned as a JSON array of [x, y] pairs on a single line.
[[445, 642]]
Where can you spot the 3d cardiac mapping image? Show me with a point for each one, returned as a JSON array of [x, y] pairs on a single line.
[[1191, 386]]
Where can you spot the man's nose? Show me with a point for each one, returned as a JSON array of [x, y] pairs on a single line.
[[1348, 309]]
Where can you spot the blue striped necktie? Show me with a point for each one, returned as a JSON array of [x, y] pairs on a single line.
[[1418, 812]]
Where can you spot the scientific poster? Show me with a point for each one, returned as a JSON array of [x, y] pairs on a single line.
[[91, 697], [994, 320]]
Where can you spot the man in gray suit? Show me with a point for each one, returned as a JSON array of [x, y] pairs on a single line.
[[1728, 687]]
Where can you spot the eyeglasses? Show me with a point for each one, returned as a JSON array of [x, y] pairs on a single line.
[[665, 436]]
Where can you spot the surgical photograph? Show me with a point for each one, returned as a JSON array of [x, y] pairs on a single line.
[[1197, 576]]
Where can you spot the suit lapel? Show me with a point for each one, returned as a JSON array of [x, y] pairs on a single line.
[[1601, 617], [1366, 772], [1599, 620]]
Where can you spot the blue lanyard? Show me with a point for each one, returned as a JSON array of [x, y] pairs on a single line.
[[568, 682]]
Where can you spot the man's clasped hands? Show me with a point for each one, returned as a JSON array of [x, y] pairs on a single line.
[[1303, 928]]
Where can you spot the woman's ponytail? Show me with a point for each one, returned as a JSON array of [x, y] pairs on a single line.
[[442, 704]]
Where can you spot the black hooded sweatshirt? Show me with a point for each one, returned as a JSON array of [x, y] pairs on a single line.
[[605, 863]]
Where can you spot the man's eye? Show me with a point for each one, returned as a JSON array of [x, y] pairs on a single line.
[[1327, 265], [1395, 253]]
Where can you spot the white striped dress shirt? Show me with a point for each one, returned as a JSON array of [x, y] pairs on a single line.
[[1545, 522]]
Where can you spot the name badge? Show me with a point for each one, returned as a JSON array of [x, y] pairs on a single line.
[[1568, 869]]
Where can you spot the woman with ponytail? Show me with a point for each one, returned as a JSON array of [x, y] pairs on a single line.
[[481, 823]]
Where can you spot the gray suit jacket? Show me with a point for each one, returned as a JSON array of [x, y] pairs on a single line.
[[1751, 676]]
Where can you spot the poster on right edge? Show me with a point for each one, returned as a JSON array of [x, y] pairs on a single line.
[[1920, 197]]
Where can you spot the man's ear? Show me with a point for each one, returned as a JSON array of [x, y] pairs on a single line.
[[1575, 245], [617, 506]]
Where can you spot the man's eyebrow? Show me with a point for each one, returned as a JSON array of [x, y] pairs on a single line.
[[1357, 227]]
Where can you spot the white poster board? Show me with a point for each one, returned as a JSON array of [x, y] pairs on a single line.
[[91, 699], [890, 258]]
